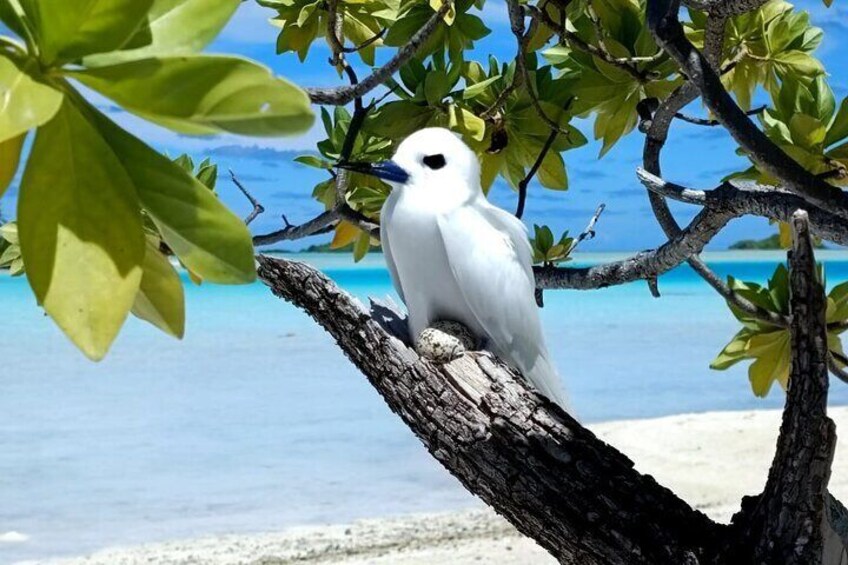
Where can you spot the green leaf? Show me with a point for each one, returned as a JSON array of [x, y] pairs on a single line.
[[208, 175], [80, 231], [466, 123], [733, 352], [13, 17], [9, 232], [10, 155], [216, 93], [552, 172], [209, 239], [177, 27], [807, 131], [838, 129], [772, 363], [160, 299], [476, 89], [313, 161], [360, 248], [25, 103], [185, 162], [70, 29], [436, 87]]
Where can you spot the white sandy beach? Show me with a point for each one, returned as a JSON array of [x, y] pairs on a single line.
[[711, 460]]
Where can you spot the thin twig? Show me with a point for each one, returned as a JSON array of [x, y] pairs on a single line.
[[834, 360], [257, 207], [705, 122], [377, 37], [589, 232], [522, 184], [343, 95], [626, 64], [516, 18]]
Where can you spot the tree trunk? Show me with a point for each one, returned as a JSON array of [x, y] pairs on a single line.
[[579, 498]]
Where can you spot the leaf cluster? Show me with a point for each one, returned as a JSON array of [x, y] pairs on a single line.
[[97, 205], [767, 345], [546, 251]]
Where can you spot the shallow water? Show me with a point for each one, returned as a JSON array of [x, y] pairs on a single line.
[[256, 421]]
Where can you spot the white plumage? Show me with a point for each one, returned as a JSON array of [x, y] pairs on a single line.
[[454, 256]]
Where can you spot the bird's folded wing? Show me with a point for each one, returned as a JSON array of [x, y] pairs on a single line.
[[489, 255], [390, 261]]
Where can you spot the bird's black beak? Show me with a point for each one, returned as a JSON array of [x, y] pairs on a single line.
[[386, 170]]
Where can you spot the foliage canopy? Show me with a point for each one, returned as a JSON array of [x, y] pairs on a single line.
[[100, 210]]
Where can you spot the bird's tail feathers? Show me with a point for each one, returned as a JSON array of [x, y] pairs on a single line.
[[544, 377]]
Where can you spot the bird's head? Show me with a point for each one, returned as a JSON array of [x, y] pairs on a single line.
[[431, 159]]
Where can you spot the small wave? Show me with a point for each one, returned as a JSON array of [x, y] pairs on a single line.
[[13, 537]]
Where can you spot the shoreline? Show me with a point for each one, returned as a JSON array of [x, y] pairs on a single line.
[[695, 455]]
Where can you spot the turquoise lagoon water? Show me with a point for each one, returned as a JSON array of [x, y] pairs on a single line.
[[255, 421]]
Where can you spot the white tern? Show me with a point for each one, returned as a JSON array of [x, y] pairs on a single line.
[[455, 256]]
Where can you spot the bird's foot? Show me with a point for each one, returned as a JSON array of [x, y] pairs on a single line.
[[444, 341]]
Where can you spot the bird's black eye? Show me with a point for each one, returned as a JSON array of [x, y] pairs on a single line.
[[436, 161]]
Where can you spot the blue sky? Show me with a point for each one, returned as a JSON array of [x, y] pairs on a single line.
[[694, 155]]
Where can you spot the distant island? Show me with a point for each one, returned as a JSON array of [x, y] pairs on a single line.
[[771, 242]]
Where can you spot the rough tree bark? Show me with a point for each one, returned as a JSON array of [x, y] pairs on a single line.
[[787, 522], [579, 498]]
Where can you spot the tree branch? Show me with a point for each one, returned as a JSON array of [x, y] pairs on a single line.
[[257, 207], [784, 525], [655, 139], [665, 25], [343, 95], [553, 479], [322, 223], [642, 266], [750, 198]]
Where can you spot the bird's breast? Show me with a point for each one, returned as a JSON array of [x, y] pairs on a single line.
[[429, 286]]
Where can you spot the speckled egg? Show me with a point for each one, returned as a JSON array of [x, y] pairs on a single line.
[[444, 341]]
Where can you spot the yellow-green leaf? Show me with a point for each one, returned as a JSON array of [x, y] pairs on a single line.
[[360, 248], [177, 26], [160, 298], [10, 155], [346, 233], [209, 239], [552, 173], [216, 93], [70, 29], [772, 361], [80, 231], [25, 103]]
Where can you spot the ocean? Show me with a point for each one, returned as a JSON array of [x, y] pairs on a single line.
[[256, 421]]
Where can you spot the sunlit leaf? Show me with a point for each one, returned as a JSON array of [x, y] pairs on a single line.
[[216, 93], [25, 103], [208, 238], [80, 231], [345, 234], [10, 155], [70, 29], [177, 26], [160, 298]]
